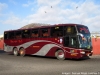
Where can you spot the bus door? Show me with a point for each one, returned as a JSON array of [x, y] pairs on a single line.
[[71, 43]]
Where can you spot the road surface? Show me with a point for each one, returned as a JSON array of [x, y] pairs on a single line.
[[35, 65]]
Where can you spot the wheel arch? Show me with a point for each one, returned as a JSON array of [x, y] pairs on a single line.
[[60, 49], [21, 48], [14, 48]]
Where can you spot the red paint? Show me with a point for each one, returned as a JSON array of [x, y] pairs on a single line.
[[96, 46]]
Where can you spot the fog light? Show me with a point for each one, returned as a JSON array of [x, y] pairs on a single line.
[[73, 51]]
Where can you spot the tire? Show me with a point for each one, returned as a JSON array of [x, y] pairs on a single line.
[[22, 52], [60, 55], [15, 52]]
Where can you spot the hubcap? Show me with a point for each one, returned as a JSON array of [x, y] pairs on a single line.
[[60, 54], [15, 52], [21, 52]]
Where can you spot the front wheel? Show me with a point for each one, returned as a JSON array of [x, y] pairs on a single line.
[[22, 52], [60, 55]]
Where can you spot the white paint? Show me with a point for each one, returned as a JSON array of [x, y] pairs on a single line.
[[45, 49]]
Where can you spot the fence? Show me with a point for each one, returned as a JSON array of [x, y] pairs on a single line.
[[1, 44], [96, 46]]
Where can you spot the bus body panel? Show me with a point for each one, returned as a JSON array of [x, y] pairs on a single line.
[[43, 47]]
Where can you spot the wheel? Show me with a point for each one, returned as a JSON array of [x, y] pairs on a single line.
[[60, 55], [22, 52], [15, 52]]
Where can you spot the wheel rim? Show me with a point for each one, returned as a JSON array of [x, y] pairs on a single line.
[[60, 55], [15, 52], [22, 52]]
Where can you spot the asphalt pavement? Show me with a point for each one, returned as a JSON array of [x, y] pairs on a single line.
[[36, 65]]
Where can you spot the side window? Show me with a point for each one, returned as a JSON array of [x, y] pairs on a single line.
[[45, 32], [5, 35], [34, 33], [69, 30], [66, 41], [26, 33], [57, 31], [18, 34], [11, 35]]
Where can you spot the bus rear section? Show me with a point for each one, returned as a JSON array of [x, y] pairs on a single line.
[[60, 41]]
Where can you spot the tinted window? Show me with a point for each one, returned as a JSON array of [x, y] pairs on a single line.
[[70, 41], [5, 35], [34, 33], [45, 32], [18, 34], [57, 31], [11, 35], [26, 33], [69, 30], [73, 42], [66, 41]]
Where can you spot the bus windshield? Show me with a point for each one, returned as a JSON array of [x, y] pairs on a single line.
[[84, 37]]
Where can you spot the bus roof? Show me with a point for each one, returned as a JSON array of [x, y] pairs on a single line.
[[34, 26]]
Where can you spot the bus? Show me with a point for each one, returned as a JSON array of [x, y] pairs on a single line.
[[59, 40]]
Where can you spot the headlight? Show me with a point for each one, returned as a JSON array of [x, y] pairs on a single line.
[[82, 52]]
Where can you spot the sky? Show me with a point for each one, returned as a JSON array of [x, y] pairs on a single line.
[[15, 14]]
